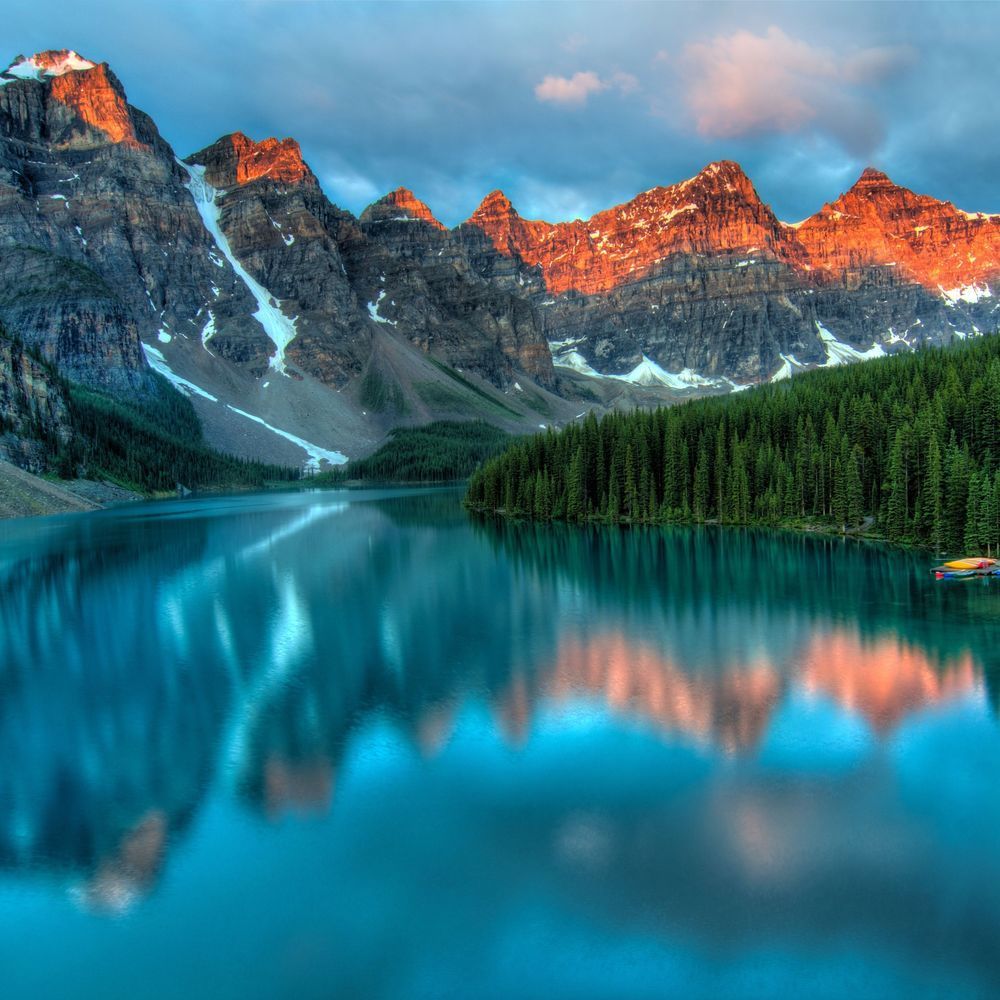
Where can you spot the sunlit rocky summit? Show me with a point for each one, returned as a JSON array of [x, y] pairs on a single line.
[[303, 334]]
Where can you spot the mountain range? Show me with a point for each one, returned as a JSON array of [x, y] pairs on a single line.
[[302, 334]]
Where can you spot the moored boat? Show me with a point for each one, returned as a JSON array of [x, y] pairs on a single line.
[[963, 569]]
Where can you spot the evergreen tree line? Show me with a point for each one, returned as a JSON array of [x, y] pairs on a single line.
[[153, 444], [149, 443], [439, 452], [909, 445]]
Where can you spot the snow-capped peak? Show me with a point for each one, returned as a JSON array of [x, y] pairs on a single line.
[[55, 62]]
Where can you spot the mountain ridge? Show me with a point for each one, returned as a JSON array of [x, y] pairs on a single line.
[[295, 326]]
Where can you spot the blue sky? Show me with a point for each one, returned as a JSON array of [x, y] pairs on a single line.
[[568, 107]]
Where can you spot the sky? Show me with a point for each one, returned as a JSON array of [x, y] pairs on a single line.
[[569, 108]]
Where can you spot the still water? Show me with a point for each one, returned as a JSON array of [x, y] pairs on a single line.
[[359, 745]]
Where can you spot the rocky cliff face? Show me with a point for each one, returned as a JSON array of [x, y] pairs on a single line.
[[339, 278], [34, 412], [447, 307], [878, 223], [89, 186], [700, 283], [279, 226], [718, 211], [233, 275]]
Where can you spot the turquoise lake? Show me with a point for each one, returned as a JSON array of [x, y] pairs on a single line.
[[358, 744]]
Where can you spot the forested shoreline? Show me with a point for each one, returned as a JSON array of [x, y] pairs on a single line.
[[907, 445], [148, 442], [154, 444], [440, 452]]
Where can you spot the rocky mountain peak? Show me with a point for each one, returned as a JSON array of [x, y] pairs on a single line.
[[879, 223], [52, 62], [504, 228], [870, 177], [399, 205], [726, 175], [495, 205], [872, 188], [99, 99], [236, 159], [716, 211], [91, 93]]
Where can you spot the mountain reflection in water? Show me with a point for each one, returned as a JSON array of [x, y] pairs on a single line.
[[266, 652]]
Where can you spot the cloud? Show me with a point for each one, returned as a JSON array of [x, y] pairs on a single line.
[[574, 90], [383, 95], [625, 82], [350, 186], [872, 66], [745, 84]]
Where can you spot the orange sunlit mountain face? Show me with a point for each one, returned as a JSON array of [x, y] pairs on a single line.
[[279, 160], [875, 223], [90, 90]]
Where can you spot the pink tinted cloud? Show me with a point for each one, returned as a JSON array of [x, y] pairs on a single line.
[[573, 91], [742, 84]]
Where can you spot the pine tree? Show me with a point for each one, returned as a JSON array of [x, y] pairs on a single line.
[[934, 502], [895, 526], [854, 491], [575, 487], [973, 541]]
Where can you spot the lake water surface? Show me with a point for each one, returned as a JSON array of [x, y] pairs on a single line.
[[359, 745]]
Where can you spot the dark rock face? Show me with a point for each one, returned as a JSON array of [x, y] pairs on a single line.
[[87, 180], [282, 229], [73, 317], [434, 291], [337, 276], [34, 413]]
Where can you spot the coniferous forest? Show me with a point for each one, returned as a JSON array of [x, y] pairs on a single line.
[[150, 442], [153, 444], [906, 446], [439, 452]]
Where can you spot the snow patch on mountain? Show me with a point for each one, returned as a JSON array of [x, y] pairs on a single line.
[[36, 68], [789, 363], [838, 353], [279, 328], [158, 363], [646, 373], [970, 294], [208, 330], [373, 309], [315, 452], [576, 361]]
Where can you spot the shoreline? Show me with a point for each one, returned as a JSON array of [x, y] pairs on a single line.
[[24, 494], [860, 534]]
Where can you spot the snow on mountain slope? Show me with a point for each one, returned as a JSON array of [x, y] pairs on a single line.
[[279, 327]]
